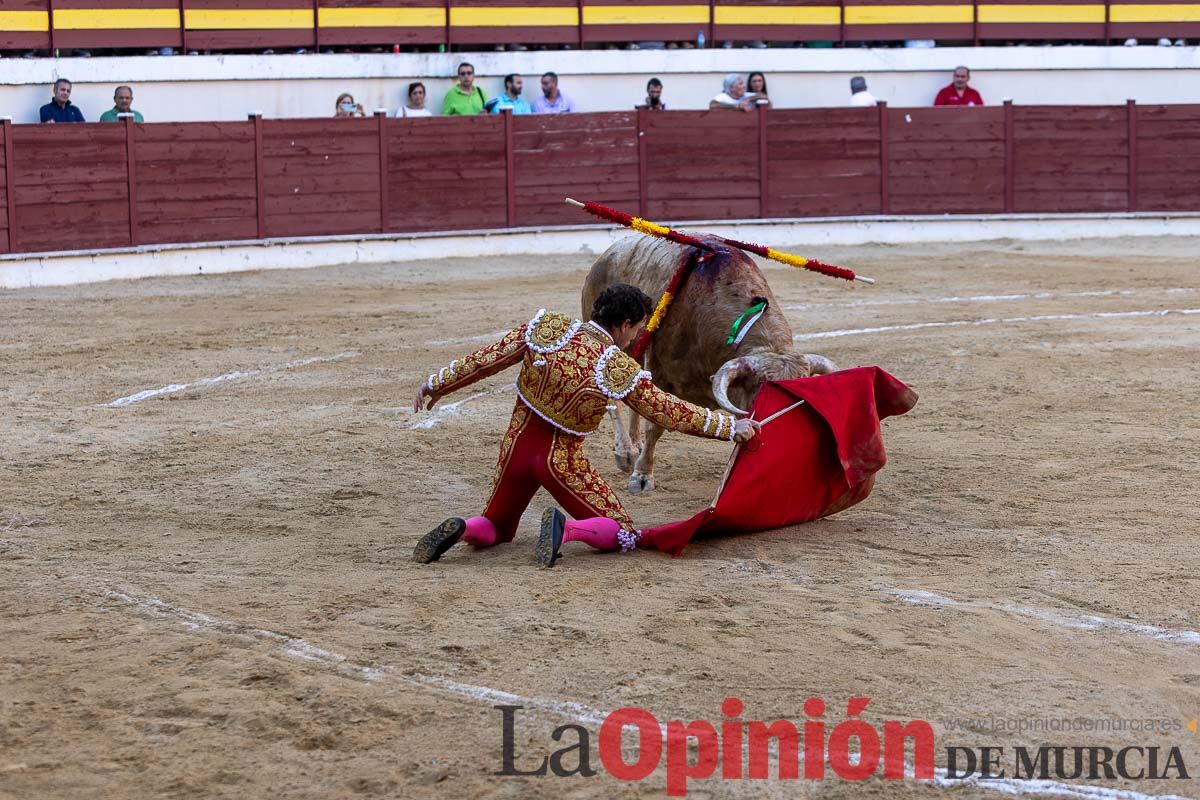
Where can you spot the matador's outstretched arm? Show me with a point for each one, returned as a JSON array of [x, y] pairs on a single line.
[[462, 372], [668, 411]]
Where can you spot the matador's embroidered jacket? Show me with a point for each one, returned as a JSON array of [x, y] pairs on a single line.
[[571, 372]]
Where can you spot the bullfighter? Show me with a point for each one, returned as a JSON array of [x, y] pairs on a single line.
[[572, 372]]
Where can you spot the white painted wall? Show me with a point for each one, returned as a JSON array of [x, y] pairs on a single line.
[[61, 269], [187, 88]]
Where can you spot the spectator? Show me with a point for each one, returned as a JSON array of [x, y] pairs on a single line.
[[416, 102], [464, 97], [958, 93], [756, 85], [511, 98], [59, 109], [654, 101], [859, 96], [346, 107], [123, 102], [734, 96], [552, 100]]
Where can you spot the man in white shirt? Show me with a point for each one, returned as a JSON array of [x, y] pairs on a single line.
[[735, 97], [859, 96]]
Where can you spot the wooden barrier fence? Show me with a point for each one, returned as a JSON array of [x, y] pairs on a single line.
[[74, 187], [464, 24]]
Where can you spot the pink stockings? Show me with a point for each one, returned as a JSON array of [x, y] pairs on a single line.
[[598, 532]]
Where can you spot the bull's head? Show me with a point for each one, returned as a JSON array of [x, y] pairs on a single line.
[[743, 376]]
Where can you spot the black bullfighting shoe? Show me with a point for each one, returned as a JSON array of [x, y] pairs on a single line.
[[551, 537], [435, 543]]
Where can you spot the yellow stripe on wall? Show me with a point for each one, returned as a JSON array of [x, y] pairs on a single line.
[[24, 21], [228, 19], [777, 15], [98, 19], [381, 17], [894, 15], [644, 15], [1154, 13], [517, 16], [1054, 13]]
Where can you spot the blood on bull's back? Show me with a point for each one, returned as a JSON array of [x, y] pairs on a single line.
[[690, 347]]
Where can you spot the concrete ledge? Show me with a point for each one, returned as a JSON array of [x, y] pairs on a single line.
[[66, 268]]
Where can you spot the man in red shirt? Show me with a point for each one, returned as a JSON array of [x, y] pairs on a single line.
[[958, 93]]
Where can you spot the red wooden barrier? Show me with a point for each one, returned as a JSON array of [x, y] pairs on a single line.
[[701, 165], [584, 155], [381, 119], [946, 160], [196, 182], [321, 176], [823, 163], [131, 178], [68, 187], [1071, 158], [9, 220], [1168, 158], [1010, 159], [446, 173]]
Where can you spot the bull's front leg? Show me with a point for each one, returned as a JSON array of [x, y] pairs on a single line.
[[642, 478], [626, 445]]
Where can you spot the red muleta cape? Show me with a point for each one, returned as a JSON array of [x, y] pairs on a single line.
[[812, 461]]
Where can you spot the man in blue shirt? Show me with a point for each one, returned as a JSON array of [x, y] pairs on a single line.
[[511, 97], [59, 109]]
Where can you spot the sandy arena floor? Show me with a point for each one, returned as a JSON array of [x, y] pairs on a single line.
[[207, 594]]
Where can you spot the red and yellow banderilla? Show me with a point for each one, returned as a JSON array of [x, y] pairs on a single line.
[[653, 229]]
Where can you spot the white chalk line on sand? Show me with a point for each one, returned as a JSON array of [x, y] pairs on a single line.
[[227, 377], [1088, 622], [483, 337], [439, 413], [986, 298], [577, 712], [916, 326]]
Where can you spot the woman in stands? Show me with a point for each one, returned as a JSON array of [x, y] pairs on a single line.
[[346, 107], [416, 102], [756, 85]]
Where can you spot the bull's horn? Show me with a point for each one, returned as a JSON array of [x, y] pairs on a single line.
[[729, 372], [820, 365]]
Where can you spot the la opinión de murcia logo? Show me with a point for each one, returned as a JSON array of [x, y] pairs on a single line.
[[1067, 762], [741, 749], [853, 750]]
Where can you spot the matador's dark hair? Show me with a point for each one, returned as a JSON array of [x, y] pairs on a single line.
[[621, 303]]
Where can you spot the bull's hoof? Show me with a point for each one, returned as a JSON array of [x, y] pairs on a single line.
[[639, 483], [625, 461]]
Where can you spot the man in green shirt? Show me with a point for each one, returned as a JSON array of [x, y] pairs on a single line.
[[123, 98], [464, 97]]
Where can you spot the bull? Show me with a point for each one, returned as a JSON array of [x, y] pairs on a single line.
[[689, 356]]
